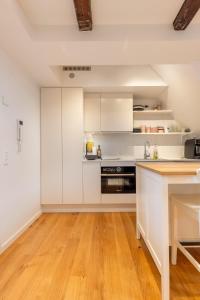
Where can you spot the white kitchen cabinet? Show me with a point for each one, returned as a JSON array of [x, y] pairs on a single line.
[[72, 134], [116, 112], [51, 146], [118, 198], [92, 111], [91, 182]]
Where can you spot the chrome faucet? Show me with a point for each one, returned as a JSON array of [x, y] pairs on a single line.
[[147, 153]]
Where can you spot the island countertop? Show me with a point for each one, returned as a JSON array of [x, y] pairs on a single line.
[[171, 168]]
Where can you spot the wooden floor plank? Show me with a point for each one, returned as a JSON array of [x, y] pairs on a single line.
[[88, 256]]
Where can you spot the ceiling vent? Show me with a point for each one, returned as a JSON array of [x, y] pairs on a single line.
[[76, 68]]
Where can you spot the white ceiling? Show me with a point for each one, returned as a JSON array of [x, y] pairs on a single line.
[[43, 34], [135, 79], [61, 12]]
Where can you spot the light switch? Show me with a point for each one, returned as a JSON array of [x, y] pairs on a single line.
[[4, 101]]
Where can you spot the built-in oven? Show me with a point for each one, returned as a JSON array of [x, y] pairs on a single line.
[[118, 180]]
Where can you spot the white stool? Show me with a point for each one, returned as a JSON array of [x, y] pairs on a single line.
[[185, 231]]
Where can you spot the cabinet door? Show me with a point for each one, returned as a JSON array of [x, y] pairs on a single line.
[[92, 111], [116, 113], [92, 182], [72, 132], [51, 146]]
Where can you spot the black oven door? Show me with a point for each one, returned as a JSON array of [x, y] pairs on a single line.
[[197, 150], [118, 184]]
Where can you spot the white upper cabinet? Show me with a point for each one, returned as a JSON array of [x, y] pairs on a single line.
[[72, 134], [51, 146], [92, 111], [116, 112]]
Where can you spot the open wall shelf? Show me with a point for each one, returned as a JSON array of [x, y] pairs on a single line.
[[164, 133], [146, 112], [138, 133]]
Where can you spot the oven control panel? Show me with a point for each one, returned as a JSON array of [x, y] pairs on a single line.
[[117, 170]]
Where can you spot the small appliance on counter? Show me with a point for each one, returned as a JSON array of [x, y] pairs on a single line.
[[192, 148], [91, 156], [92, 152]]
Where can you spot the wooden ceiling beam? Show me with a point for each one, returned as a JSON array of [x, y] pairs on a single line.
[[186, 14], [83, 14]]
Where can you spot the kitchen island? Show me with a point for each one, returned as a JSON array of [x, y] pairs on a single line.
[[153, 208]]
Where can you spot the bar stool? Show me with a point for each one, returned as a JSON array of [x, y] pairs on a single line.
[[185, 231]]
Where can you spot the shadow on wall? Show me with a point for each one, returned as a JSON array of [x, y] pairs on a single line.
[[183, 94]]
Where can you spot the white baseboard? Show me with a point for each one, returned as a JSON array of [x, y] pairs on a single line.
[[19, 232], [88, 208]]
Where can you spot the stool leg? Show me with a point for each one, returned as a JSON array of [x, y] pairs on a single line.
[[174, 254], [174, 234]]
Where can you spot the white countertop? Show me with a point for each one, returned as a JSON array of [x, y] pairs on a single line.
[[118, 158], [112, 158], [168, 160]]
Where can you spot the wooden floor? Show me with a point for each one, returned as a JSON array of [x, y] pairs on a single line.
[[87, 257]]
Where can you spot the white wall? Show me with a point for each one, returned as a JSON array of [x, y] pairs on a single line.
[[183, 93], [20, 178]]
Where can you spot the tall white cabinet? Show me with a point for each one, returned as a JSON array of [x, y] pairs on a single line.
[[51, 146], [61, 145], [72, 133]]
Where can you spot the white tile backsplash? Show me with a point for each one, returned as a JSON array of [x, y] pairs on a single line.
[[165, 152], [129, 145]]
